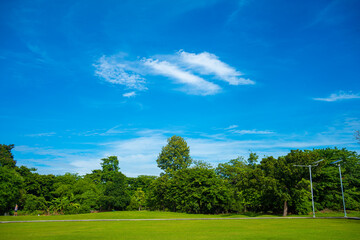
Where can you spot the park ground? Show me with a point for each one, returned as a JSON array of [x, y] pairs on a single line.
[[254, 227]]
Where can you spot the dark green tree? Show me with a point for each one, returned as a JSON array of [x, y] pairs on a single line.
[[289, 181], [159, 197], [253, 158], [141, 181], [116, 196], [138, 200], [327, 191], [192, 190], [110, 164], [6, 157], [113, 186], [11, 184], [245, 181], [174, 156]]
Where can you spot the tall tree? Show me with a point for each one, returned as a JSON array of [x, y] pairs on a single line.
[[192, 190], [174, 156], [6, 157], [110, 164], [10, 185], [290, 181]]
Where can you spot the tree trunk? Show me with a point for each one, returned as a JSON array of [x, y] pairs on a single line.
[[285, 209]]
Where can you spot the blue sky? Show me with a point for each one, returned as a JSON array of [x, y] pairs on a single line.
[[82, 80]]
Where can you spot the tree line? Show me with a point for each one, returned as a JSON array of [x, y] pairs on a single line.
[[270, 185]]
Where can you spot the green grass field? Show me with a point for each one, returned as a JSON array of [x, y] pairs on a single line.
[[160, 215], [189, 229], [227, 228]]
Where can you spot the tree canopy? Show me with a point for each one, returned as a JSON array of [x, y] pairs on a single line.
[[271, 185], [175, 155]]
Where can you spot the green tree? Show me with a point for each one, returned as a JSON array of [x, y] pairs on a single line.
[[34, 203], [6, 157], [110, 164], [174, 156], [327, 192], [116, 196], [192, 190], [289, 181], [246, 182], [253, 158], [11, 184], [141, 181], [198, 190], [138, 200], [158, 197]]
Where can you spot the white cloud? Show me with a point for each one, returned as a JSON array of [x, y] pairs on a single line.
[[138, 150], [254, 131], [231, 127], [341, 95], [129, 94], [209, 63], [48, 134], [196, 85], [115, 72], [188, 69], [59, 161]]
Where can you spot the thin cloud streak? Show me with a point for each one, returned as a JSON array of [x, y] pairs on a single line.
[[48, 134], [208, 63], [138, 152], [254, 131], [197, 85], [341, 95], [129, 94]]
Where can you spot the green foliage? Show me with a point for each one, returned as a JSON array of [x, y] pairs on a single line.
[[33, 203], [6, 157], [272, 185], [116, 196], [110, 164], [191, 190], [253, 158], [174, 156], [11, 184], [141, 181], [138, 200]]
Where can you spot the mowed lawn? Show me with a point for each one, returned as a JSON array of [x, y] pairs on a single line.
[[187, 229], [160, 215]]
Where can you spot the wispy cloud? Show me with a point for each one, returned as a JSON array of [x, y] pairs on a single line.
[[48, 134], [59, 161], [138, 149], [341, 95], [115, 72], [197, 85], [188, 69], [231, 127], [129, 94], [254, 131], [208, 63]]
